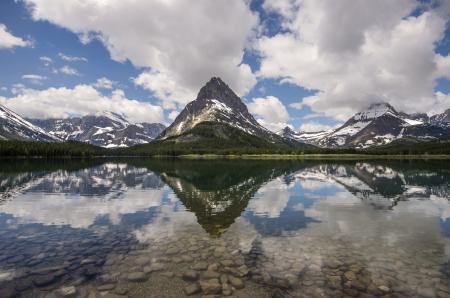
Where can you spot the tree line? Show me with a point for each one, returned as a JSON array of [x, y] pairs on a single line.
[[202, 147]]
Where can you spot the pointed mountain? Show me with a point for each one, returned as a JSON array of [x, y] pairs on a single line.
[[218, 120], [14, 127], [105, 129], [217, 103], [288, 132]]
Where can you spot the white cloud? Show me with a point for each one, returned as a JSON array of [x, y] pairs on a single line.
[[312, 116], [8, 41], [34, 78], [186, 41], [441, 103], [17, 88], [46, 60], [104, 83], [297, 105], [173, 114], [443, 66], [71, 58], [270, 112], [70, 71], [81, 100], [314, 126], [356, 53], [164, 88]]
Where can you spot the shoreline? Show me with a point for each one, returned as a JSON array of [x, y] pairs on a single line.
[[312, 156], [250, 156]]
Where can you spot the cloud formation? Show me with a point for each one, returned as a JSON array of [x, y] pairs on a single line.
[[34, 78], [104, 83], [270, 112], [71, 58], [81, 100], [185, 42], [375, 51], [46, 60], [68, 70], [8, 41]]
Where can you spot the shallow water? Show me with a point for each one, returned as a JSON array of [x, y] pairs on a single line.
[[162, 228]]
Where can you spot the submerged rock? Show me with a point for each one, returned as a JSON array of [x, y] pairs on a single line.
[[137, 276], [211, 286], [190, 275], [67, 291], [192, 289], [236, 282]]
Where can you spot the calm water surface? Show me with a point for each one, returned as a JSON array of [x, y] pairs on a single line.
[[149, 228]]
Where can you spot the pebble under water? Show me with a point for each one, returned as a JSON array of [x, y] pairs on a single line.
[[211, 228]]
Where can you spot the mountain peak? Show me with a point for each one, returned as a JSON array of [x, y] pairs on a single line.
[[217, 103], [214, 84], [287, 130], [375, 110], [217, 89], [380, 105], [217, 81]]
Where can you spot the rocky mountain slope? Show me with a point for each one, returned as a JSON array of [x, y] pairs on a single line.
[[379, 124], [105, 129], [302, 136], [14, 127], [217, 103]]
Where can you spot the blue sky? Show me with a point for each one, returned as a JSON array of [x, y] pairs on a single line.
[[295, 62]]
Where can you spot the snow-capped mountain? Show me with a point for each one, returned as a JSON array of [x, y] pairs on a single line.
[[441, 119], [380, 124], [14, 127], [105, 129], [216, 102], [303, 136]]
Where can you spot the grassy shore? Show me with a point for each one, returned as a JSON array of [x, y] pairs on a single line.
[[310, 156], [248, 156]]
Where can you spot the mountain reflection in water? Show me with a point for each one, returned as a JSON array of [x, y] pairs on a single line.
[[286, 228]]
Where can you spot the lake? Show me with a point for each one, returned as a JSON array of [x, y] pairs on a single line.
[[171, 228]]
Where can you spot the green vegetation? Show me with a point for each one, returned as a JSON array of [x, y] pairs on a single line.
[[209, 137], [410, 146], [43, 149], [219, 141]]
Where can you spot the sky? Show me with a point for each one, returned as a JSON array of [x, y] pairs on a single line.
[[307, 64]]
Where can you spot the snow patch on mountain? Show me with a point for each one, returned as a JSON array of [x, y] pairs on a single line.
[[13, 126], [105, 129], [216, 102], [374, 111], [379, 124]]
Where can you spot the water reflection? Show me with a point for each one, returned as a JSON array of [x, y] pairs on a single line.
[[262, 228]]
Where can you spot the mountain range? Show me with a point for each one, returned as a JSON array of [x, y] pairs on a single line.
[[379, 124], [218, 118], [105, 129], [12, 126]]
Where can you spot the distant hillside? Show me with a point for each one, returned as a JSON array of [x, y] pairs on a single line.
[[14, 127], [213, 137], [379, 124], [44, 149], [106, 129]]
